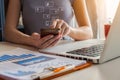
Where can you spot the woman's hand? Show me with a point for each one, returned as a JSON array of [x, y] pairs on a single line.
[[62, 25], [47, 41], [51, 40]]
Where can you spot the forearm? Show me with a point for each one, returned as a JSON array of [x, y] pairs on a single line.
[[12, 18], [16, 36], [81, 33], [84, 31]]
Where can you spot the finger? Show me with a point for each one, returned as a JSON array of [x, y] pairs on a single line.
[[50, 41], [54, 43], [45, 39], [59, 24], [54, 24], [51, 44], [63, 27], [35, 36]]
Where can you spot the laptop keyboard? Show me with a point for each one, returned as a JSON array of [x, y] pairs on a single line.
[[91, 51]]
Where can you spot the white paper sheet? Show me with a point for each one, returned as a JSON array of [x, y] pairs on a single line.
[[22, 63]]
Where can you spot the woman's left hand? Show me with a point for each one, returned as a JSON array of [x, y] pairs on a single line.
[[62, 25]]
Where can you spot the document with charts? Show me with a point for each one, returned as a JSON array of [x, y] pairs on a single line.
[[22, 64]]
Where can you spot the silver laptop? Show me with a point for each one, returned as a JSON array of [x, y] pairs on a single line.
[[97, 51]]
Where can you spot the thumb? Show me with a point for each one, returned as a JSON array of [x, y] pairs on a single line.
[[35, 36]]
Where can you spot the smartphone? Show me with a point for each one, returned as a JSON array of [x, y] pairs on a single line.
[[48, 31]]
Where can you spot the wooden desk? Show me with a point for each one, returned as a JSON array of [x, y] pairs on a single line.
[[107, 71]]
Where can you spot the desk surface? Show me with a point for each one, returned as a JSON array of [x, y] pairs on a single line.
[[106, 71]]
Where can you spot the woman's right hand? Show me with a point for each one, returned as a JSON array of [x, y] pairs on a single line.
[[47, 41]]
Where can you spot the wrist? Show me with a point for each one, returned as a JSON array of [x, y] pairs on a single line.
[[29, 41]]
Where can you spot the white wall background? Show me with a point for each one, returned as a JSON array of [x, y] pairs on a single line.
[[111, 7], [105, 10]]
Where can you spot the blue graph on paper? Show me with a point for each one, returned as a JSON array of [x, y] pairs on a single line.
[[13, 57], [34, 60], [20, 73]]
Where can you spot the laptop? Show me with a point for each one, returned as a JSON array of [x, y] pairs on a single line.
[[95, 50]]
